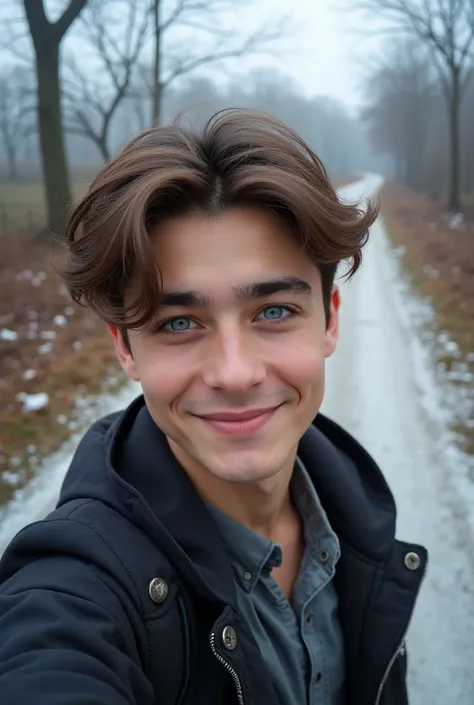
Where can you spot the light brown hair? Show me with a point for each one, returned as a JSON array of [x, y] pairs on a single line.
[[239, 158]]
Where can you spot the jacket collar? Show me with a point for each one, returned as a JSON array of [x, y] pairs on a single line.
[[161, 499], [352, 489]]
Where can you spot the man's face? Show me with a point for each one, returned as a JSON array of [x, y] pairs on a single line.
[[233, 372]]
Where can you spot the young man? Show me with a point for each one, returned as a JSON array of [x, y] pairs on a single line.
[[220, 541]]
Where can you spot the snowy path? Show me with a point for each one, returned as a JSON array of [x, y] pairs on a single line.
[[378, 390]]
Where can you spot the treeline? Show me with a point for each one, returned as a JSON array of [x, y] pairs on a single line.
[[420, 95], [68, 68], [75, 82], [338, 138]]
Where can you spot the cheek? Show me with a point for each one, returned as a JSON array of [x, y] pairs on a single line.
[[161, 378], [303, 366]]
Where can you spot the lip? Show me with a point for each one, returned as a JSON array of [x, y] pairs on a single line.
[[239, 423]]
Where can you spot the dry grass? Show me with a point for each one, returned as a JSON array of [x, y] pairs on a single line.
[[81, 360], [440, 261], [22, 207]]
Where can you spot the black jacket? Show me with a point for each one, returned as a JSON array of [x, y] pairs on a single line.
[[122, 596]]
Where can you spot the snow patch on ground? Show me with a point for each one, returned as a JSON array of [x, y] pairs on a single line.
[[7, 334], [33, 402], [443, 401], [32, 502]]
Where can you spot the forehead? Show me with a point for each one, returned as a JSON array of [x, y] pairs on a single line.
[[220, 251]]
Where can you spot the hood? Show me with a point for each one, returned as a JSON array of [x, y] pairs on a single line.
[[124, 461]]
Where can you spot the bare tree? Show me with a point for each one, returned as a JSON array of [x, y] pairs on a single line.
[[322, 122], [120, 32], [203, 17], [47, 37], [116, 31], [402, 91], [17, 114], [467, 140], [447, 28]]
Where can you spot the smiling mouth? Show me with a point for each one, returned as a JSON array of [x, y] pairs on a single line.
[[239, 423]]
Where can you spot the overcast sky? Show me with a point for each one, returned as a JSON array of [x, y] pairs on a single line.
[[326, 53], [329, 51]]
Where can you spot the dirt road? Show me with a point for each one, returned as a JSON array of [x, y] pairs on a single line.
[[377, 389]]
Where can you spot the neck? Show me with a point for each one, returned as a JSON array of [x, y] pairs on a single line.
[[262, 506]]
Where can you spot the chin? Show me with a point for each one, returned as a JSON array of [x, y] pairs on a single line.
[[246, 469], [240, 476]]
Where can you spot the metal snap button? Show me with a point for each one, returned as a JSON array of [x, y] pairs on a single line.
[[158, 590], [229, 638], [412, 560]]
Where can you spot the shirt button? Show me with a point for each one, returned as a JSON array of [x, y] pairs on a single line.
[[308, 619], [247, 575], [323, 556], [229, 638], [318, 677]]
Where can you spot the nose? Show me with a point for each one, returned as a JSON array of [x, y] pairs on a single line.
[[233, 363]]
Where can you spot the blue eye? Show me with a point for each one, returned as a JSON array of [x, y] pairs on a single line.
[[275, 313], [179, 325]]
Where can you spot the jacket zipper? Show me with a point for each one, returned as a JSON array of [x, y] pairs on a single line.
[[400, 645], [229, 667]]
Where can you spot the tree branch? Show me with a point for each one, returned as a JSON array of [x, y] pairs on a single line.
[[253, 44], [71, 13]]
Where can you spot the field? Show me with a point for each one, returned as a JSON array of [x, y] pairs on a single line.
[[22, 209]]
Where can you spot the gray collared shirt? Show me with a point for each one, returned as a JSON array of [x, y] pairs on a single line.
[[301, 643]]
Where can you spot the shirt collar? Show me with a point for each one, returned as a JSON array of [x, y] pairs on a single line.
[[253, 554], [321, 543]]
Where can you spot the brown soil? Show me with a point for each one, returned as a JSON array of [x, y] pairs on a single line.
[[440, 261], [70, 356]]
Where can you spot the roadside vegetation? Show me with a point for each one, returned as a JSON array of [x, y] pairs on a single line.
[[437, 251]]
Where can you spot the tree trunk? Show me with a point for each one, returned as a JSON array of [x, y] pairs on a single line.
[[53, 151], [454, 198], [47, 37], [12, 163], [156, 87]]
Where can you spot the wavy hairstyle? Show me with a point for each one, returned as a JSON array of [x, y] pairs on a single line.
[[239, 158]]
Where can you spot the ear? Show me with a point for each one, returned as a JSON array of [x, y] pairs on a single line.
[[332, 330], [124, 354]]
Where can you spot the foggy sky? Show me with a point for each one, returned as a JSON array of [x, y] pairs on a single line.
[[327, 53]]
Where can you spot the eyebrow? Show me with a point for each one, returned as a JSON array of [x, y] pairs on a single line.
[[252, 290], [257, 290]]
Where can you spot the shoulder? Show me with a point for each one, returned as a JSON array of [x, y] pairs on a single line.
[[86, 537]]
